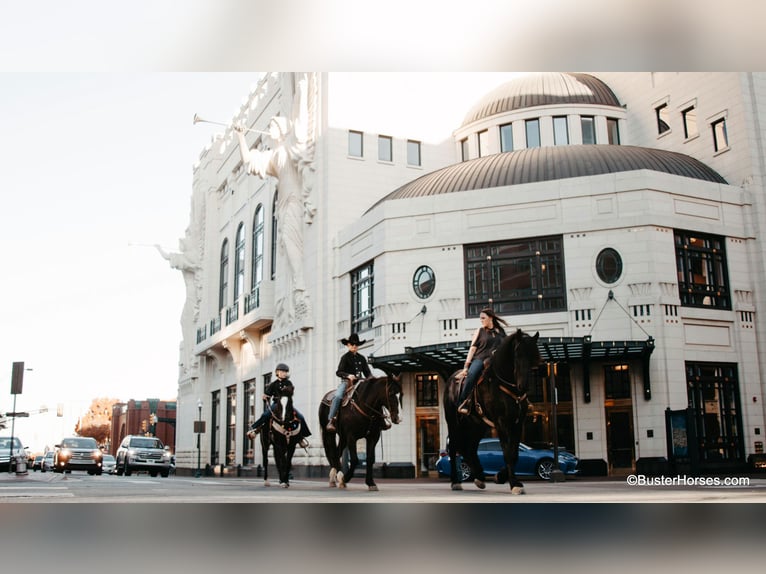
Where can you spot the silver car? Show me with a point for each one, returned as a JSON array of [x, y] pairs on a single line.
[[5, 452], [108, 464], [47, 463]]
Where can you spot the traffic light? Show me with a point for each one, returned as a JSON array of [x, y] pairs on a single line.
[[153, 419], [143, 425]]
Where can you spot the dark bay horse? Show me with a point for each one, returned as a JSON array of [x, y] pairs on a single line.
[[282, 434], [500, 401], [363, 416]]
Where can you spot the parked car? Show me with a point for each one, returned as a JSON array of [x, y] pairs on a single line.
[[5, 452], [108, 464], [47, 463], [78, 453], [532, 461], [147, 453]]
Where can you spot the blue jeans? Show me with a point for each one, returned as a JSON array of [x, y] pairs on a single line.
[[337, 398], [474, 372]]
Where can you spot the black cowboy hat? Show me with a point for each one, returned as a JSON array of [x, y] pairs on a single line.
[[353, 339]]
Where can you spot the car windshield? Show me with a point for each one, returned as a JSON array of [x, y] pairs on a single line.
[[108, 457], [79, 443], [5, 442], [145, 443]]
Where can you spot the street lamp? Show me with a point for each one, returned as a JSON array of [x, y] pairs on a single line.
[[199, 432]]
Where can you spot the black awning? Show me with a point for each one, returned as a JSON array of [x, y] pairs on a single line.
[[445, 358]]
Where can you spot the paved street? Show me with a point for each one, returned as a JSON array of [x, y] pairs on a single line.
[[79, 487]]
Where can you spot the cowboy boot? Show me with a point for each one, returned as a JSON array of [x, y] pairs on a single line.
[[331, 425]]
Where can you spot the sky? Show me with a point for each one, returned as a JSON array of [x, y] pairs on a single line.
[[97, 168]]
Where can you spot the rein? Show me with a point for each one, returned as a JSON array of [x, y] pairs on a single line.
[[379, 413]]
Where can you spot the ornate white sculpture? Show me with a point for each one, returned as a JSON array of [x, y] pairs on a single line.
[[291, 161]]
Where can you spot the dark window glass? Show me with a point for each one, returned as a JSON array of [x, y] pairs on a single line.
[[613, 131], [424, 282], [713, 391], [239, 263], [516, 277], [223, 280], [427, 386], [702, 271], [257, 276], [617, 381], [609, 265], [362, 298]]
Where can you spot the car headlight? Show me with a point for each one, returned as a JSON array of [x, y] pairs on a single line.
[[65, 454]]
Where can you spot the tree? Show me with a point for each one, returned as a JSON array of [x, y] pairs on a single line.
[[97, 422]]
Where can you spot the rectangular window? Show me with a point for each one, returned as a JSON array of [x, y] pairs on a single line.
[[427, 390], [215, 428], [483, 143], [560, 130], [617, 382], [248, 455], [413, 152], [464, 149], [506, 137], [713, 392], [355, 144], [362, 299], [613, 131], [689, 116], [702, 270], [231, 425], [720, 137], [663, 118], [533, 132], [588, 124], [385, 148], [517, 277]]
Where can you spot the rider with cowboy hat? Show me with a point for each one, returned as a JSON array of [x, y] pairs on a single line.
[[272, 392], [352, 367]]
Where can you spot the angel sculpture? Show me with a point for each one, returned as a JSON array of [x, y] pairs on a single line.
[[291, 161]]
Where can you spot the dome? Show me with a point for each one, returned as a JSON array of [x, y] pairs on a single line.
[[551, 163], [542, 90]]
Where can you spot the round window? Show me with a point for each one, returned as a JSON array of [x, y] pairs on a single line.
[[424, 282], [609, 265]]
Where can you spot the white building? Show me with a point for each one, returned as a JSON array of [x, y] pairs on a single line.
[[619, 215]]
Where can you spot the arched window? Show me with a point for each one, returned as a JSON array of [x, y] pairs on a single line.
[[257, 247], [274, 236], [224, 276], [239, 263]]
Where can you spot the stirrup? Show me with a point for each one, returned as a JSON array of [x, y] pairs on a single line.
[[304, 443], [331, 425]]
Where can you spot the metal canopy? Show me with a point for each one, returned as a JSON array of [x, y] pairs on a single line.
[[445, 358]]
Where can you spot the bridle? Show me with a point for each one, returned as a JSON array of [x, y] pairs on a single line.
[[376, 413]]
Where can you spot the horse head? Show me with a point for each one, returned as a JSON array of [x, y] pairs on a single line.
[[394, 397], [516, 356]]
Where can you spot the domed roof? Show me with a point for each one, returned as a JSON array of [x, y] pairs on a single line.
[[551, 163], [540, 90]]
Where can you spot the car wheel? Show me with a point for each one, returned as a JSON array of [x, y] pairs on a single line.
[[128, 472], [464, 471], [164, 473], [544, 468]]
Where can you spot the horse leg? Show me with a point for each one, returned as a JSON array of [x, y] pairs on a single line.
[[353, 461], [455, 482], [372, 441], [471, 458], [265, 451], [509, 441]]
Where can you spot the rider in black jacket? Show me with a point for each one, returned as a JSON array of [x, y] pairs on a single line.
[[351, 368], [272, 392]]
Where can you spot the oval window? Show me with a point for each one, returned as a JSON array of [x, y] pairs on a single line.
[[424, 282], [609, 265]]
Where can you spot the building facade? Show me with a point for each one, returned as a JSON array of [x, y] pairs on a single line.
[[618, 215], [151, 417]]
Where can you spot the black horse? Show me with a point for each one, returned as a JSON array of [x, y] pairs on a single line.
[[282, 434], [500, 402], [361, 415]]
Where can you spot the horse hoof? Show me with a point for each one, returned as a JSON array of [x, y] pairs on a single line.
[[342, 485], [457, 486], [266, 483], [373, 488], [517, 490], [284, 485], [479, 484]]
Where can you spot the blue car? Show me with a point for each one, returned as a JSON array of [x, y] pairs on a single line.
[[532, 461]]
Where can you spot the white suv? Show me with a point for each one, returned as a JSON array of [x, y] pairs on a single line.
[[143, 453]]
